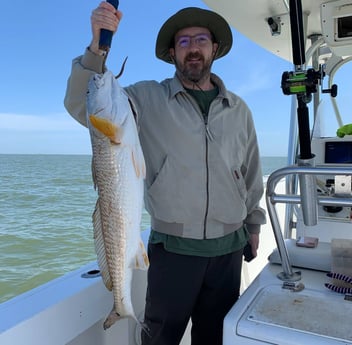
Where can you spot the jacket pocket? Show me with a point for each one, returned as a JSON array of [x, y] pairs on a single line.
[[174, 195], [239, 182]]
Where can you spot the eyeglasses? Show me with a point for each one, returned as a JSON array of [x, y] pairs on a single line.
[[200, 40]]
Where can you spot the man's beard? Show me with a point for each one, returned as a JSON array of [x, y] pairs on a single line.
[[193, 72]]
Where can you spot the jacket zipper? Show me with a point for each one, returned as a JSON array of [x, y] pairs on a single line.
[[208, 136], [207, 173]]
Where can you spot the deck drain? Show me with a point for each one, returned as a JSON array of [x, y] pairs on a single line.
[[91, 274]]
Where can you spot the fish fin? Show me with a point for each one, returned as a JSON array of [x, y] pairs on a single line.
[[94, 174], [106, 127], [141, 258], [111, 319], [100, 247], [138, 162]]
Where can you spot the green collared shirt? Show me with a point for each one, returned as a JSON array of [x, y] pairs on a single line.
[[206, 248]]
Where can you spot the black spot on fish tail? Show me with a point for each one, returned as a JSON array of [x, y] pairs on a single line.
[[111, 319]]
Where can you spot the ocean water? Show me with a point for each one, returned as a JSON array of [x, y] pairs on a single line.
[[46, 204]]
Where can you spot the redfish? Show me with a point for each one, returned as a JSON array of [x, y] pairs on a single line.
[[118, 170]]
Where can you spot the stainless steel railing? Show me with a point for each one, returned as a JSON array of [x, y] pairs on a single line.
[[305, 174]]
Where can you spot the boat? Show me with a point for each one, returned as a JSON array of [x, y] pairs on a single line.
[[288, 295], [301, 295]]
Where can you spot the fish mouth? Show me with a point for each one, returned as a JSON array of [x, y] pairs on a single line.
[[107, 128]]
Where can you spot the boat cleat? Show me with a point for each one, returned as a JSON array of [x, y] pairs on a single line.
[[293, 286]]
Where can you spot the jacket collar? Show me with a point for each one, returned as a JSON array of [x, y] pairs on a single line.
[[177, 87]]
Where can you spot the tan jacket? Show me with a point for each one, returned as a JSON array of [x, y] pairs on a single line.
[[204, 180]]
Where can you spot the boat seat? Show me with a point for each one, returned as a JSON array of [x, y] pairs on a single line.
[[318, 258]]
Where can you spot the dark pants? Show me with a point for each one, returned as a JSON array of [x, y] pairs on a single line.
[[181, 287]]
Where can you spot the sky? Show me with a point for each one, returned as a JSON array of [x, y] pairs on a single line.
[[39, 40]]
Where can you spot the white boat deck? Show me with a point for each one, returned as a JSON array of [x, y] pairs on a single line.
[[267, 313]]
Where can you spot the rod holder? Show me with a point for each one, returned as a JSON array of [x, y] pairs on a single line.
[[309, 196]]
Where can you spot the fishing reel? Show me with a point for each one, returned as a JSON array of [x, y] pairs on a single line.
[[304, 83]]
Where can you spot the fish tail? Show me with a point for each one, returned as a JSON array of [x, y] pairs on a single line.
[[108, 128], [111, 319]]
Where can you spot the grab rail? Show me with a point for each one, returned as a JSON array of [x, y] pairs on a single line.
[[272, 198]]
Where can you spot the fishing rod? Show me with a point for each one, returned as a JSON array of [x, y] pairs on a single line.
[[301, 82], [106, 35], [106, 38]]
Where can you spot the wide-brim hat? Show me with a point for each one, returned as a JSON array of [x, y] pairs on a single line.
[[193, 16]]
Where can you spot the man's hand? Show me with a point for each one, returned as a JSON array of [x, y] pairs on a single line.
[[254, 242], [105, 16]]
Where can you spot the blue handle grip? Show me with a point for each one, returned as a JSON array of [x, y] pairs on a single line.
[[106, 35]]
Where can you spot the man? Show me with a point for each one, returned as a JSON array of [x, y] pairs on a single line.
[[203, 182]]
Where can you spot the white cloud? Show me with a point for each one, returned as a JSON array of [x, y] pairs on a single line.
[[50, 134], [36, 123]]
